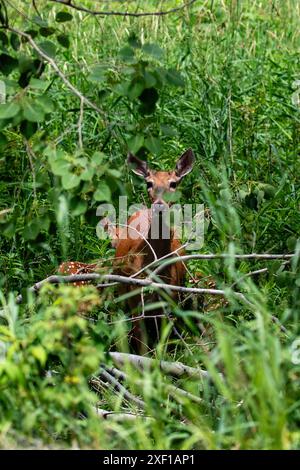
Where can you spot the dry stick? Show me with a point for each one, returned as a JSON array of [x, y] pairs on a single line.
[[119, 13], [54, 65], [173, 389], [116, 384], [55, 279], [172, 368]]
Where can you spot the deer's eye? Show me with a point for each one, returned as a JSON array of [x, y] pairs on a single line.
[[173, 185], [149, 185]]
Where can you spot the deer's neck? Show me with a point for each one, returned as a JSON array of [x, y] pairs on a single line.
[[159, 237]]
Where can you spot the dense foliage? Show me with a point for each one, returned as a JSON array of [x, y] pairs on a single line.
[[221, 77]]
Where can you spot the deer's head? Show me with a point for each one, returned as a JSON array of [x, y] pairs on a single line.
[[160, 183]]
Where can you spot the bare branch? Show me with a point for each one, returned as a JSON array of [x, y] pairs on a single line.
[[115, 416], [104, 374], [68, 3], [172, 368]]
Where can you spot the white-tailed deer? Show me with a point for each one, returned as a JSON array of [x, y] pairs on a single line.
[[146, 237], [136, 246]]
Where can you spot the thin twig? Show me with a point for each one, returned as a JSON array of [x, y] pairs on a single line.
[[252, 273], [68, 3]]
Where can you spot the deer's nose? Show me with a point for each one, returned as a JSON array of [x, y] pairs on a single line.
[[159, 205]]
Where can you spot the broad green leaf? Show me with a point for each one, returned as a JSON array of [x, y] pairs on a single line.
[[97, 74], [9, 110], [70, 181], [31, 230], [87, 174], [7, 64], [114, 173], [135, 89], [97, 157], [33, 111], [63, 16], [38, 84], [135, 143], [60, 167], [127, 54], [150, 80], [48, 47], [154, 50], [63, 40], [39, 353], [174, 78], [153, 144], [46, 103], [102, 192], [78, 207]]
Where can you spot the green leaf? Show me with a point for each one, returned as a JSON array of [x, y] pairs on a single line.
[[9, 110], [175, 78], [38, 84], [150, 80], [7, 64], [39, 353], [87, 174], [127, 54], [102, 192], [46, 31], [31, 230], [63, 40], [15, 41], [60, 167], [134, 42], [135, 89], [28, 128], [135, 143], [97, 158], [78, 207], [153, 144], [48, 47], [154, 50], [97, 74], [33, 111], [70, 181], [46, 103], [63, 16]]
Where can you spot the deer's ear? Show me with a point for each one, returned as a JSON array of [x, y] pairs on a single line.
[[185, 163], [139, 167]]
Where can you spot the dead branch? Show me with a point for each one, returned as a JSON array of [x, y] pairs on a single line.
[[143, 363], [70, 4], [120, 388], [56, 279], [116, 416]]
